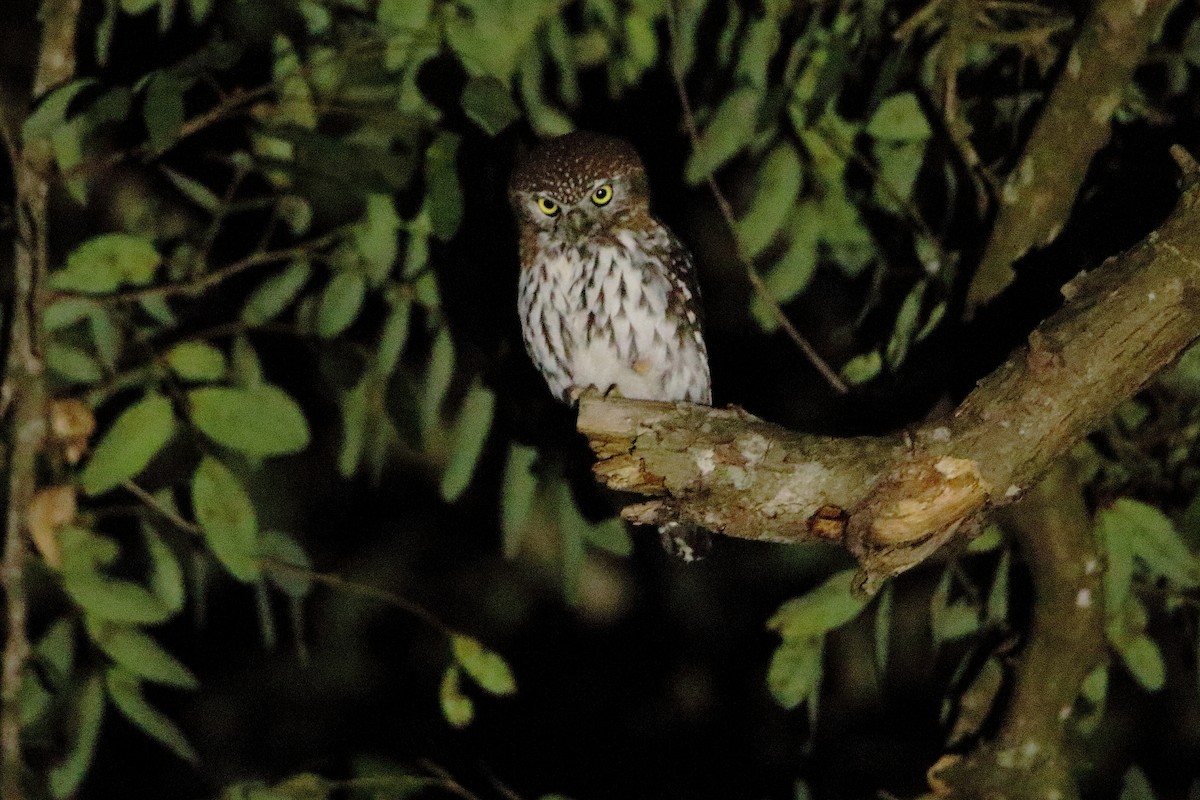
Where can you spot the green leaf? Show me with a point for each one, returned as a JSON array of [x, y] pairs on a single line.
[[375, 237], [795, 670], [393, 337], [1136, 786], [611, 536], [862, 368], [135, 7], [276, 293], [296, 212], [471, 431], [163, 110], [883, 628], [437, 378], [443, 198], [260, 421], [828, 606], [197, 361], [997, 602], [404, 14], [899, 165], [55, 651], [1144, 661], [72, 363], [729, 131], [457, 708], [51, 113], [761, 40], [84, 732], [292, 578], [341, 300], [1153, 539], [140, 654], [227, 517], [900, 119], [107, 338], [354, 408], [778, 184], [489, 104], [193, 190], [125, 690], [794, 269], [245, 368], [85, 554], [106, 262], [137, 435], [905, 327], [486, 667], [166, 576], [64, 313], [517, 495]]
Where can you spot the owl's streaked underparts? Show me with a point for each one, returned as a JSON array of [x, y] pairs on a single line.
[[608, 296]]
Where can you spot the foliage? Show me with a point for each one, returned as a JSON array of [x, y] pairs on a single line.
[[291, 257]]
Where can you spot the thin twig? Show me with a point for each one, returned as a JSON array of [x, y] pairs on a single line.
[[211, 279], [331, 580], [764, 294]]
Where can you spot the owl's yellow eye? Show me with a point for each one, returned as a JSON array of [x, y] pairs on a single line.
[[602, 195], [547, 206]]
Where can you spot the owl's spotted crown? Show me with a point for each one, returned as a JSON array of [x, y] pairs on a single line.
[[567, 167]]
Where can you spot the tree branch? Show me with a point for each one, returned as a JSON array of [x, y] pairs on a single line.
[[1037, 197], [23, 390], [1065, 643], [893, 500]]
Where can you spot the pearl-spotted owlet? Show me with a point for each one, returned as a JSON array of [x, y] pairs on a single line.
[[608, 296]]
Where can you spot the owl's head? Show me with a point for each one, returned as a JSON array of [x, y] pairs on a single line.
[[578, 184]]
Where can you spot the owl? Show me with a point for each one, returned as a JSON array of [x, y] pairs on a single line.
[[607, 294]]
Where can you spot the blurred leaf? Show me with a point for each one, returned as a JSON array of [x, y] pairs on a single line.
[[820, 610], [437, 378], [759, 44], [950, 620], [341, 300], [611, 536], [545, 119], [163, 110], [259, 421], [55, 651], [900, 119], [1144, 661], [1136, 786], [51, 111], [997, 602], [126, 448], [375, 237], [279, 547], [393, 337], [862, 368], [898, 168], [72, 363], [296, 212], [404, 14], [166, 576], [905, 327], [201, 9], [354, 411], [107, 338], [457, 708], [883, 628], [778, 183], [227, 517], [489, 36], [276, 293], [245, 369], [443, 197], [106, 262], [140, 654], [486, 667], [516, 496], [729, 131], [795, 670], [85, 554], [64, 313], [87, 714], [125, 690], [193, 190], [135, 7], [1153, 539], [489, 104], [471, 431], [792, 272], [197, 361]]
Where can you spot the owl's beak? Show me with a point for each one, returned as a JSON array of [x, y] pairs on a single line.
[[575, 223]]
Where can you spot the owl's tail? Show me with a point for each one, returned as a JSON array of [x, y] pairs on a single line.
[[685, 541]]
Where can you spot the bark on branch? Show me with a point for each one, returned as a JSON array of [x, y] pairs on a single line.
[[893, 500], [1037, 197]]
